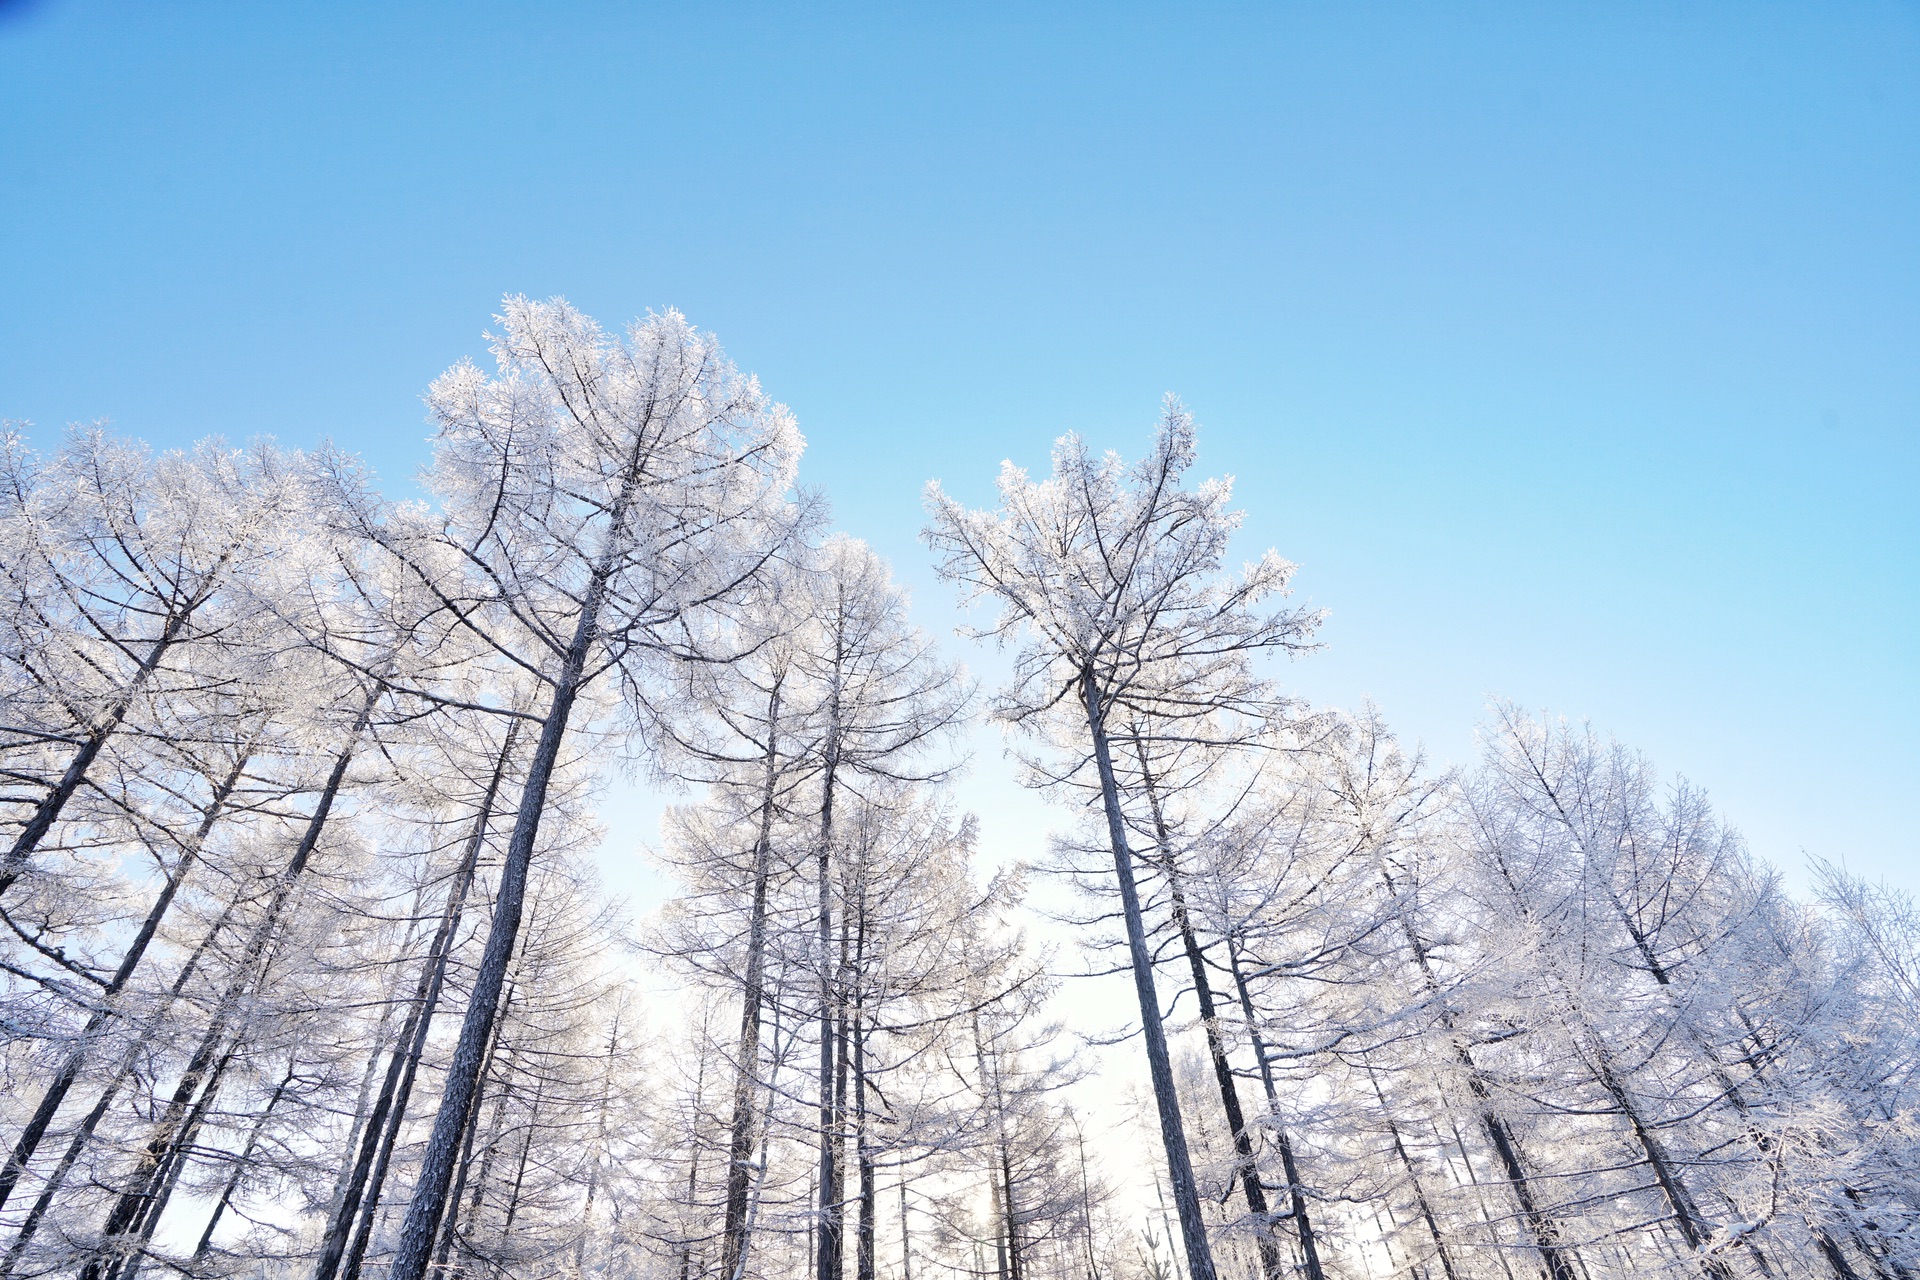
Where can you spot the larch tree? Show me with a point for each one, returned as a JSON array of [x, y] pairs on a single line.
[[1109, 580], [603, 500]]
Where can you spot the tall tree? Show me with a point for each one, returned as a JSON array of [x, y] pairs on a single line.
[[603, 500], [1110, 579]]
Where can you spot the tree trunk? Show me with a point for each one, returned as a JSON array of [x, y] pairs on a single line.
[[1173, 1135], [1016, 1258], [1086, 1201], [999, 1225], [1545, 1232], [1413, 1179], [240, 1167], [999, 1169], [1735, 1097], [495, 1133], [827, 1245], [693, 1168], [390, 1110], [740, 1146], [83, 1133], [449, 1225], [862, 1152], [47, 812], [837, 1205], [1302, 1221], [128, 1206], [1679, 1203], [599, 1152], [520, 1168], [168, 1177], [69, 1071], [436, 1166], [1248, 1169], [906, 1236]]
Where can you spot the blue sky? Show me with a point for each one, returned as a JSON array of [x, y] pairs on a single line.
[[1573, 350]]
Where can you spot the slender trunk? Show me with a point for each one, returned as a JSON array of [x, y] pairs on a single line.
[[766, 1132], [906, 1236], [69, 1071], [1016, 1259], [827, 1245], [862, 1152], [1248, 1169], [1297, 1194], [47, 812], [520, 1168], [1731, 1091], [1173, 1135], [240, 1163], [999, 1226], [599, 1151], [1086, 1200], [734, 1241], [83, 1133], [1544, 1231], [496, 1132], [693, 1168], [364, 1102], [837, 1219], [168, 1178], [128, 1206], [1679, 1203], [999, 1170], [450, 1224], [1413, 1180], [1166, 1223], [390, 1110], [463, 1072]]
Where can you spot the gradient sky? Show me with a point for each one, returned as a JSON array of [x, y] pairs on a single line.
[[1573, 350]]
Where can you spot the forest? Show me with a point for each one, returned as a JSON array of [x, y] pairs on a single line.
[[308, 971]]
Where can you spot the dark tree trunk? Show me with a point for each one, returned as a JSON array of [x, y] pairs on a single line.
[[128, 1207], [837, 1205], [1173, 1135], [390, 1109], [1413, 1179], [1679, 1203], [69, 1071], [83, 1133], [463, 1072], [240, 1163], [906, 1236], [740, 1146], [827, 1245], [449, 1225], [47, 812], [167, 1178], [1735, 1097], [1016, 1258], [1302, 1220], [1248, 1169], [862, 1152], [1545, 1232]]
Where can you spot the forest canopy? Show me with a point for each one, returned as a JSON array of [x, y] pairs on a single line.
[[308, 970]]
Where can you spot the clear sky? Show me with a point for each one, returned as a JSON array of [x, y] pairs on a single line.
[[1572, 349]]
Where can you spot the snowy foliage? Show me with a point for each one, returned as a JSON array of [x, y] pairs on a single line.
[[305, 969]]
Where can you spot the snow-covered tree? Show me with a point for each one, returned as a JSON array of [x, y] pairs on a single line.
[[1108, 580]]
